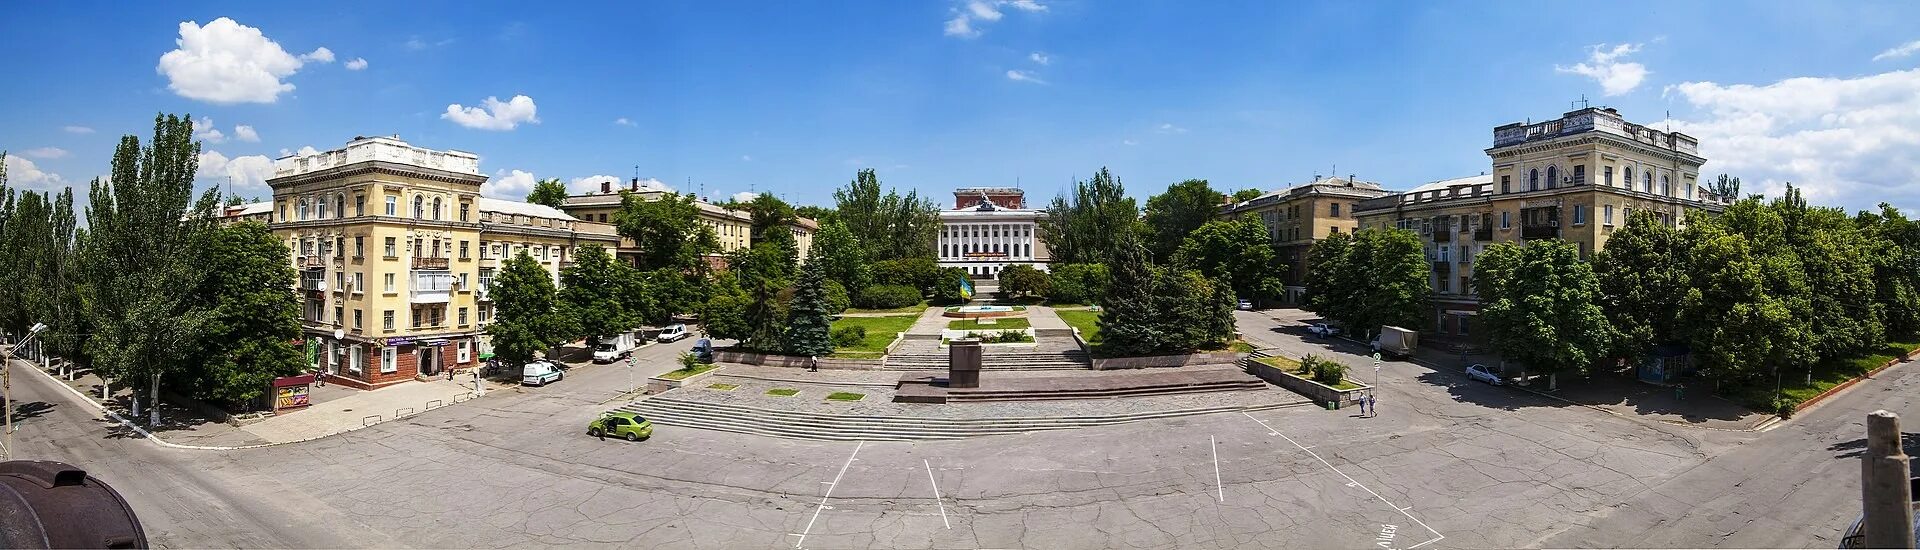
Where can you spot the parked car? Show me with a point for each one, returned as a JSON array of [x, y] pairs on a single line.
[[540, 372], [673, 333], [703, 350], [621, 424], [1246, 305], [1484, 373], [1323, 330]]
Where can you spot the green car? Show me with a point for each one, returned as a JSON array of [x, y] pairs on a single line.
[[621, 424]]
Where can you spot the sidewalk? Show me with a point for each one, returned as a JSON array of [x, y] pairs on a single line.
[[1044, 317]]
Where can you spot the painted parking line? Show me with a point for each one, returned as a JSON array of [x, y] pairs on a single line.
[[1351, 482], [829, 494], [936, 493], [1216, 468]]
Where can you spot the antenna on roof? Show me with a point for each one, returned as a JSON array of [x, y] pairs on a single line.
[[1582, 102]]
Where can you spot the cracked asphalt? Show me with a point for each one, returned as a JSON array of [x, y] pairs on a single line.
[[1482, 466]]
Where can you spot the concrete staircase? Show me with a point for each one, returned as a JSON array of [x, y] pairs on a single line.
[[669, 411], [996, 359]]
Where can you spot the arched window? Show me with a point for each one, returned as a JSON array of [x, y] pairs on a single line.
[[419, 207], [1666, 188], [1646, 182], [1553, 177], [1628, 181], [339, 205], [320, 206], [436, 208], [1533, 180]]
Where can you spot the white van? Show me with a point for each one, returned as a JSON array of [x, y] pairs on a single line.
[[673, 333], [613, 348], [540, 373]]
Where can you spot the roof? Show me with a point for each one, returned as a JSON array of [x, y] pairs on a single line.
[[249, 209], [522, 209], [1442, 185], [1328, 184]]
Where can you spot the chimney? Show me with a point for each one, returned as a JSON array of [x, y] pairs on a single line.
[[606, 187], [1226, 199], [635, 185]]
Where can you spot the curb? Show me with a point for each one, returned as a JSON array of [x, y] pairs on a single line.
[[1843, 386], [164, 443]]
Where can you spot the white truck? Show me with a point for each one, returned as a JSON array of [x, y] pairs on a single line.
[[1396, 341], [613, 348]]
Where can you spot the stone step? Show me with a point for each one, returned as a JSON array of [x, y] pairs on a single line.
[[815, 426], [1103, 394]]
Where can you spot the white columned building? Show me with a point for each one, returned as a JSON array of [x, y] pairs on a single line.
[[990, 229]]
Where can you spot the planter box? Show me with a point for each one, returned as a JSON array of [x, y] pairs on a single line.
[[1156, 361], [953, 334], [1320, 393], [657, 384], [762, 359]]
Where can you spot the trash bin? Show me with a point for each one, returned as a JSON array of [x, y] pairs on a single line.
[[1332, 405]]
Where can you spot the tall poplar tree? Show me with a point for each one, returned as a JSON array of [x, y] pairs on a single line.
[[1177, 213]]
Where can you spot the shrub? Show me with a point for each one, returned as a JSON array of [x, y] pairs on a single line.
[[887, 297], [946, 286], [1024, 280], [1078, 284], [689, 361], [1000, 337], [1322, 370], [849, 336], [918, 273], [837, 299]]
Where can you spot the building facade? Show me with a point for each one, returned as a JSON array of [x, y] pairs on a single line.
[[988, 230], [1298, 216], [394, 247], [733, 228], [1574, 178]]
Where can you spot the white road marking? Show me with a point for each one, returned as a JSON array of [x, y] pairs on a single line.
[[1351, 482], [1216, 468], [823, 498], [936, 493]]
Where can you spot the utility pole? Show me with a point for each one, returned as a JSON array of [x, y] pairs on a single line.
[[1886, 495]]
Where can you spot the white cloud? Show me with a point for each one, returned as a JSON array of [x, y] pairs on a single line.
[[1040, 57], [47, 153], [78, 130], [746, 158], [1850, 141], [1023, 76], [623, 121], [248, 172], [203, 130], [24, 173], [415, 43], [1169, 128], [494, 114], [744, 196], [245, 133], [1900, 51], [963, 17], [319, 55], [1606, 66], [591, 184], [357, 63], [227, 62], [508, 184], [1129, 142]]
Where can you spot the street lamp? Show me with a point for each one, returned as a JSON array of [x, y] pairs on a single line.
[[6, 384]]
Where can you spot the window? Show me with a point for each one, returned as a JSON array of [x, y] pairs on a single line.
[[463, 250], [463, 318], [1607, 174], [1504, 181], [1579, 174], [1533, 180], [485, 250], [1646, 181], [1606, 215], [419, 207], [339, 314], [463, 282], [320, 206], [359, 205], [1335, 209], [1553, 177], [357, 361], [391, 252], [359, 246], [463, 217], [1666, 189], [1506, 221], [392, 203], [386, 320], [436, 208], [389, 283], [1579, 214], [1627, 180], [465, 350], [357, 320], [387, 363], [1626, 214], [301, 210], [1333, 230], [486, 312], [358, 283], [339, 205]]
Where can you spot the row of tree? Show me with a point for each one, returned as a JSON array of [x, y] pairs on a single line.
[[155, 291]]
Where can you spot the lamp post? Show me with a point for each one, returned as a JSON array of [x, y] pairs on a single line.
[[6, 384]]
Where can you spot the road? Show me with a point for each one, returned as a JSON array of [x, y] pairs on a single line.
[[1447, 464]]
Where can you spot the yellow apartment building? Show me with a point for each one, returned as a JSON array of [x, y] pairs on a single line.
[[1298, 216], [733, 228]]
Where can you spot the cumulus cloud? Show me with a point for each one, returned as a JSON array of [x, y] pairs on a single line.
[[78, 130], [415, 43], [245, 133], [961, 22], [623, 121], [1040, 57], [24, 173], [357, 63], [305, 151], [1847, 141], [508, 184], [1899, 51], [1017, 75], [203, 130], [227, 62], [247, 172], [1608, 67], [591, 184], [319, 55], [745, 196], [47, 153], [494, 114]]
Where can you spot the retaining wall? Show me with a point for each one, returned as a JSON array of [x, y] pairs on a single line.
[[1154, 361], [762, 359], [1319, 393]]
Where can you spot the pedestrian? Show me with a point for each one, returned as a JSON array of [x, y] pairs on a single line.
[[1372, 407], [319, 379], [813, 363]]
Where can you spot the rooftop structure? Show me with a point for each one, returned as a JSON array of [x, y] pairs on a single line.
[[380, 149]]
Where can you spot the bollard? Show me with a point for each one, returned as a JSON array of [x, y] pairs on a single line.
[[1885, 495]]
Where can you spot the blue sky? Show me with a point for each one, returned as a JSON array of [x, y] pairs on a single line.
[[792, 98]]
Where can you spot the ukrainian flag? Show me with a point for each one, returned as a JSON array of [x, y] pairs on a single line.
[[966, 289]]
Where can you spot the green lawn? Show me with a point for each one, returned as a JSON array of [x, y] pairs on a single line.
[[1005, 323], [723, 387], [845, 396], [1240, 346], [916, 308], [1826, 375], [683, 374], [880, 332], [783, 392], [1085, 320]]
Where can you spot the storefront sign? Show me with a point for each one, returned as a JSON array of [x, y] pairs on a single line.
[[985, 255], [399, 341]]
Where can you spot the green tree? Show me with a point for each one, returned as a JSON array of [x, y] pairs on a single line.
[[760, 272], [1089, 226], [892, 226], [1173, 215], [1078, 284], [1236, 251], [1245, 195], [141, 253], [253, 319], [1641, 271], [667, 231], [807, 322], [1024, 280], [550, 192], [1373, 278], [1539, 305], [840, 254], [663, 293], [1330, 279], [817, 213], [527, 318], [724, 314], [1725, 187], [920, 273], [1894, 249], [1739, 328], [601, 295], [946, 286], [1130, 320]]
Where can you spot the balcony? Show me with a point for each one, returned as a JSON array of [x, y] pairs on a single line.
[[1483, 233], [429, 263], [311, 262], [1442, 234], [1442, 268], [432, 287], [315, 281], [1540, 231]]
